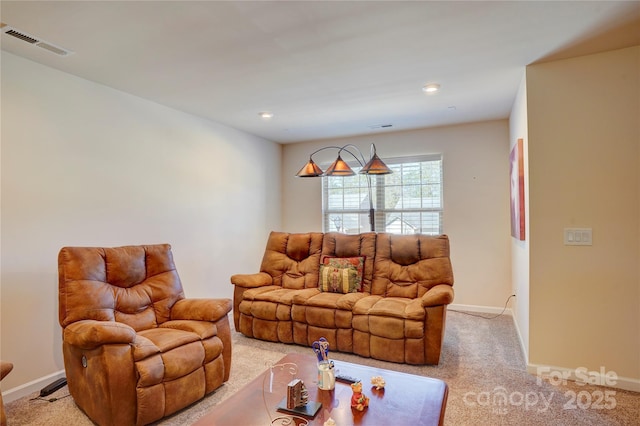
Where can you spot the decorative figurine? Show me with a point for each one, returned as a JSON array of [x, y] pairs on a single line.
[[378, 382], [329, 422], [359, 401], [297, 394]]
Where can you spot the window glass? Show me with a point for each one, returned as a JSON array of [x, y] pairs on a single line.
[[407, 201]]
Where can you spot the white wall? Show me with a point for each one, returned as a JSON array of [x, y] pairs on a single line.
[[584, 165], [520, 249], [83, 164], [476, 198]]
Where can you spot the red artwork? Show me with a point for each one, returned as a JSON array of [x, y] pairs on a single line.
[[517, 191]]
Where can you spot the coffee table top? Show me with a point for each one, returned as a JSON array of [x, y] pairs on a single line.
[[407, 399]]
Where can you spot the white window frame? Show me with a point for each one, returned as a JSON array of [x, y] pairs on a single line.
[[425, 219]]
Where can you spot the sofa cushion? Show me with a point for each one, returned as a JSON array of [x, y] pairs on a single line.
[[324, 300], [203, 329], [336, 244], [335, 300], [398, 307], [301, 296], [273, 304], [397, 318], [363, 305], [342, 274], [167, 339], [283, 296], [255, 292]]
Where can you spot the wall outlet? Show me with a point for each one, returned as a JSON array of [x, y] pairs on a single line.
[[578, 237]]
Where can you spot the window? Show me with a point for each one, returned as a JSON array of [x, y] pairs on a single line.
[[407, 201]]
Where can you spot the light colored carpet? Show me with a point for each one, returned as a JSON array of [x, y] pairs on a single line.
[[481, 360]]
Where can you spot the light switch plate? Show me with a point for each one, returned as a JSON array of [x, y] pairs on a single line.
[[578, 237]]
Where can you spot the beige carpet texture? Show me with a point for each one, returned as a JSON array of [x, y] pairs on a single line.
[[482, 364]]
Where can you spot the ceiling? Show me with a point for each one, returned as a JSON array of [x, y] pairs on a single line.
[[325, 69]]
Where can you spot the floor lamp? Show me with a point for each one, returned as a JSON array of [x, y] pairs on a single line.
[[375, 166]]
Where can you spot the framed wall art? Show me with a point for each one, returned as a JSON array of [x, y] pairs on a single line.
[[516, 159]]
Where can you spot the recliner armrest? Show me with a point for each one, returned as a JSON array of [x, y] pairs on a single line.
[[252, 280], [438, 295], [89, 334], [201, 309], [5, 368]]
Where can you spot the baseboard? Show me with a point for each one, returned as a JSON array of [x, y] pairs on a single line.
[[523, 347], [558, 373], [624, 383], [479, 309], [31, 387]]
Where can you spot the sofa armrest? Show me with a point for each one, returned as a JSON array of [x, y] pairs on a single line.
[[260, 279], [201, 309], [89, 334], [438, 295]]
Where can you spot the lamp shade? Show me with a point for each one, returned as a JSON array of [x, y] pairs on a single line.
[[310, 169], [375, 166], [339, 168]]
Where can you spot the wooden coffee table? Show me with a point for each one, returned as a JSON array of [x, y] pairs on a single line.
[[407, 399]]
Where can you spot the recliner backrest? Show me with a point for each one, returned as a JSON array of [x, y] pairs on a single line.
[[336, 244], [135, 285], [293, 260], [409, 265]]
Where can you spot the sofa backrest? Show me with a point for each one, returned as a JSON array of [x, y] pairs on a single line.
[[135, 285], [409, 265], [293, 260], [336, 244]]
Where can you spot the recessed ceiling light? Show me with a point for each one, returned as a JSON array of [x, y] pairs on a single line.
[[431, 88], [266, 115]]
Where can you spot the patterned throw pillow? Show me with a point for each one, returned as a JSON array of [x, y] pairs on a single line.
[[341, 274]]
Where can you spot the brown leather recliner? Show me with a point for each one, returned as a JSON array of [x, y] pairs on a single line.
[[135, 349], [5, 368]]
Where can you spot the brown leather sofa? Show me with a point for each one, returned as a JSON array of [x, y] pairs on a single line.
[[135, 349], [397, 314]]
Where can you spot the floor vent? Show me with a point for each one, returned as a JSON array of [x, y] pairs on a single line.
[[21, 35]]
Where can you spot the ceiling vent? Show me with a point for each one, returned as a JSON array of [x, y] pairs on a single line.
[[60, 51]]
